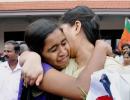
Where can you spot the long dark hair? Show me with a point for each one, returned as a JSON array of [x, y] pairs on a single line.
[[35, 36], [89, 21], [37, 32]]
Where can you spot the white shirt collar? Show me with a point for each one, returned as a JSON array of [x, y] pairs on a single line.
[[6, 65]]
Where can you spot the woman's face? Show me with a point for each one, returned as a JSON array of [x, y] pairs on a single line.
[[70, 34], [56, 50]]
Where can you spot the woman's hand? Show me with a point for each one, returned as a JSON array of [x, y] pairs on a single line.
[[101, 44], [32, 71]]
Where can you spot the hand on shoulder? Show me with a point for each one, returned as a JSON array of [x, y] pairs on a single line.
[[32, 71], [104, 46]]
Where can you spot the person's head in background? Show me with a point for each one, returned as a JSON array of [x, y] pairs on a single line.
[[11, 50], [126, 53], [1, 56], [23, 47], [80, 23], [125, 48], [44, 37]]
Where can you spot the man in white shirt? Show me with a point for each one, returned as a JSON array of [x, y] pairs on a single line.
[[10, 72]]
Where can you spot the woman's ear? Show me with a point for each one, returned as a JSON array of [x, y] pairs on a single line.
[[77, 27]]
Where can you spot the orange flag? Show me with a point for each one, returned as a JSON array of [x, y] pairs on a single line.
[[125, 38]]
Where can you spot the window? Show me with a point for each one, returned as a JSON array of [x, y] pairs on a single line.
[[17, 36]]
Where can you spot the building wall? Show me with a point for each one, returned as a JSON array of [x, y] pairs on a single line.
[[111, 22], [16, 24], [11, 24], [19, 24]]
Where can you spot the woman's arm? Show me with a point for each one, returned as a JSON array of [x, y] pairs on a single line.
[[61, 84], [31, 65]]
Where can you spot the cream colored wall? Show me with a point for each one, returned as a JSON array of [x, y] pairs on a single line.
[[112, 22], [12, 24], [1, 39], [19, 24]]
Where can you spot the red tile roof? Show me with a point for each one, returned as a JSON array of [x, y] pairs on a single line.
[[58, 5]]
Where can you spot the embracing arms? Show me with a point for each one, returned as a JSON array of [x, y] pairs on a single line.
[[58, 83]]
